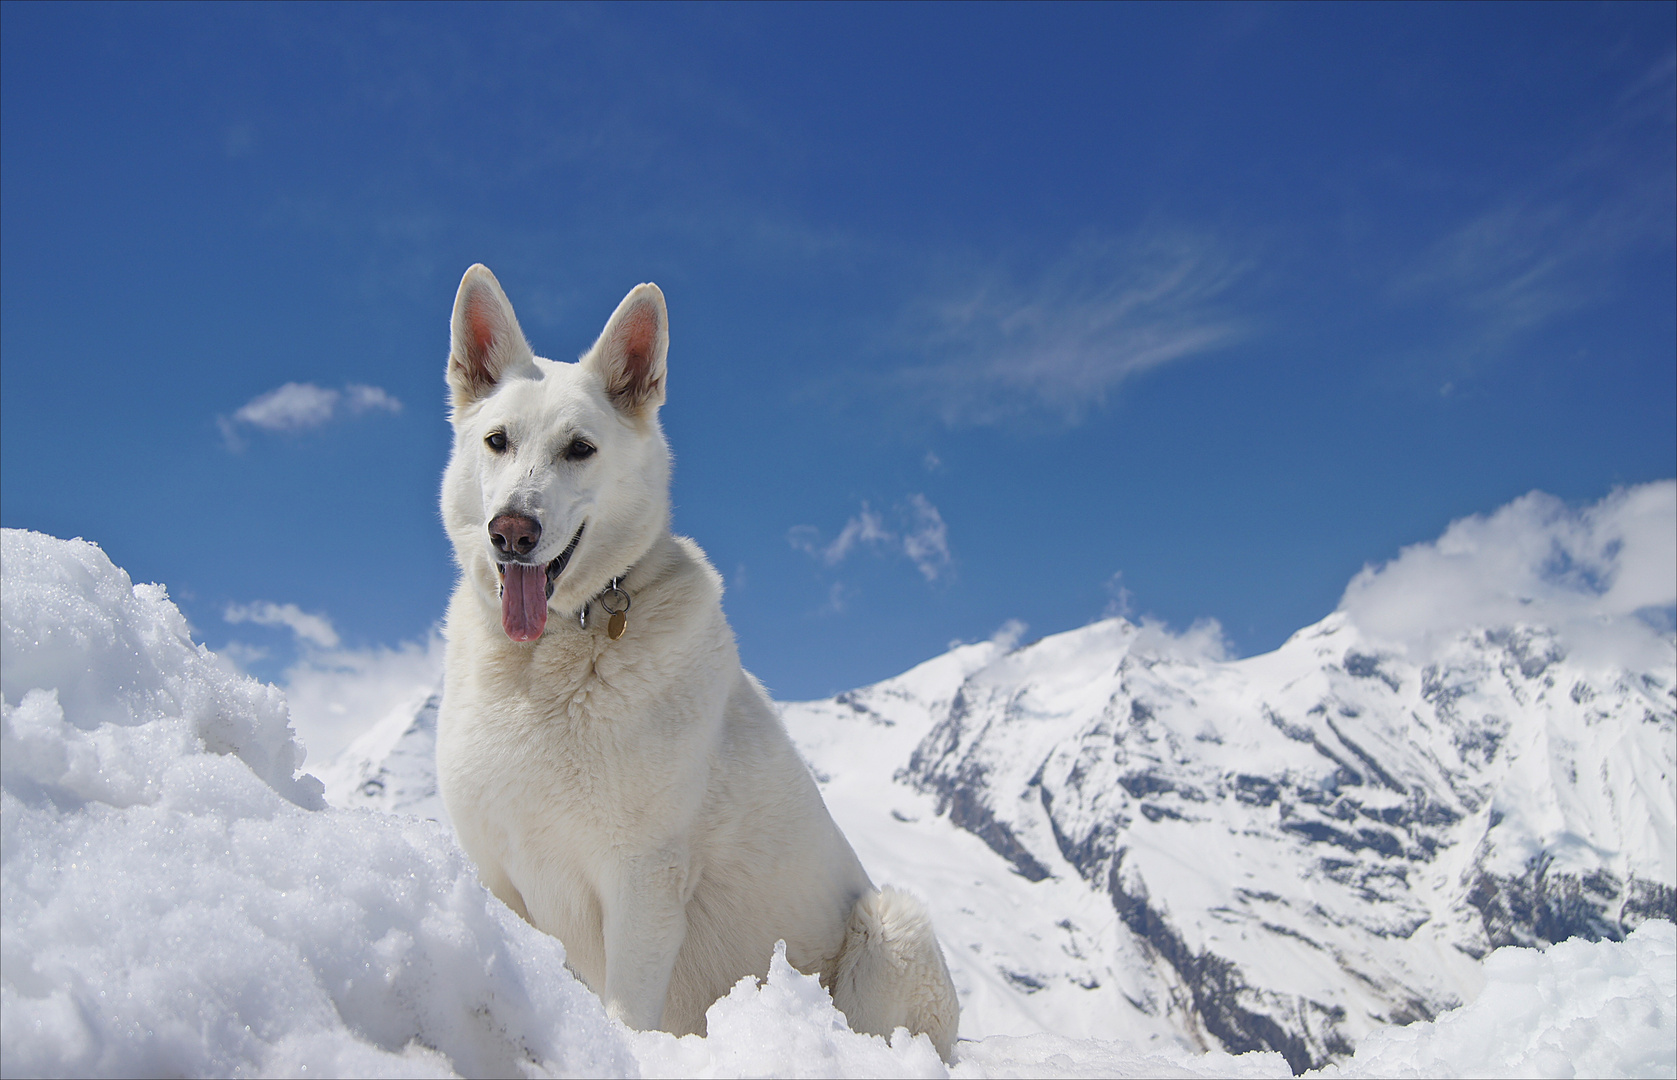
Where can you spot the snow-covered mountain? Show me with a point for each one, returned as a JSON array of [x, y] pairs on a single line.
[[393, 765], [1284, 853], [1305, 845]]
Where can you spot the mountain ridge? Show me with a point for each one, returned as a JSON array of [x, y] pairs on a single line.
[[1440, 800]]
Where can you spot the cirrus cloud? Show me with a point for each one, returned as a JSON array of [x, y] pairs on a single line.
[[1060, 341]]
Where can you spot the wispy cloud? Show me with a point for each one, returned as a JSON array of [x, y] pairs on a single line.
[[920, 535], [299, 406], [1009, 634], [1060, 341], [360, 399], [926, 540], [866, 528], [310, 629], [1523, 263], [1006, 637], [1120, 602], [292, 407], [1556, 243]]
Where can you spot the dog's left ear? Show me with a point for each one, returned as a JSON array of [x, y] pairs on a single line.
[[630, 353]]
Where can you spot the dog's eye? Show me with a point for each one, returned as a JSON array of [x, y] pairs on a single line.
[[578, 450], [497, 441]]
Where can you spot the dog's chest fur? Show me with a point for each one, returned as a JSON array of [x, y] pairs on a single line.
[[570, 748]]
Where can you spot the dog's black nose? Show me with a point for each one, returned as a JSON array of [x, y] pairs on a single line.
[[514, 534]]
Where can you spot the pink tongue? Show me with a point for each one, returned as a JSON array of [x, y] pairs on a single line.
[[524, 602]]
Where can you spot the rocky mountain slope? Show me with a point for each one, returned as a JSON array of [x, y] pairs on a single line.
[[1323, 839]]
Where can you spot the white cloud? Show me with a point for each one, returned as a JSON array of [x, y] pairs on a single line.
[[1009, 634], [1120, 602], [292, 407], [240, 656], [310, 629], [926, 542], [866, 528], [1201, 643], [362, 399], [300, 406], [1006, 637], [335, 695], [1518, 265], [922, 538], [1595, 576], [1065, 339]]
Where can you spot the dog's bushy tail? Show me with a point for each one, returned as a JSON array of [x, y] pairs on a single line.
[[891, 973]]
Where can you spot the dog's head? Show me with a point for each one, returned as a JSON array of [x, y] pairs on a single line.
[[560, 474]]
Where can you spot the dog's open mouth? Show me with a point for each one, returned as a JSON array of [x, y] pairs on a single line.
[[525, 590]]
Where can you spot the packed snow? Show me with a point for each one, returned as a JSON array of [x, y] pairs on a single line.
[[1577, 1008], [176, 899]]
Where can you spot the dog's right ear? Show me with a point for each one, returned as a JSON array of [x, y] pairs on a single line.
[[486, 344]]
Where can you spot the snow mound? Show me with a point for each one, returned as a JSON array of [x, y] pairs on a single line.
[[788, 1026], [1577, 1008], [110, 686], [176, 902]]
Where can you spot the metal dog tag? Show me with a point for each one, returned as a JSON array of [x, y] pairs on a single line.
[[619, 620]]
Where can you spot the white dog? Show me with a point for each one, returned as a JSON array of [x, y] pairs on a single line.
[[619, 780]]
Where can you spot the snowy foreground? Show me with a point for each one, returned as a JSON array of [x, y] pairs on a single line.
[[176, 900]]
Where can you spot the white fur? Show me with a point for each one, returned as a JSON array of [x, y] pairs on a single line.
[[639, 798]]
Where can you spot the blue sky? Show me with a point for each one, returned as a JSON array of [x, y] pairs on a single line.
[[979, 313]]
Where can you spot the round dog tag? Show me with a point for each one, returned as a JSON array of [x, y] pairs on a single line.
[[615, 626]]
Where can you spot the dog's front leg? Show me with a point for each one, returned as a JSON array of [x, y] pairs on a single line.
[[645, 924]]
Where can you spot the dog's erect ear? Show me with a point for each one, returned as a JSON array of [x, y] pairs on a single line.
[[630, 353], [486, 344]]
